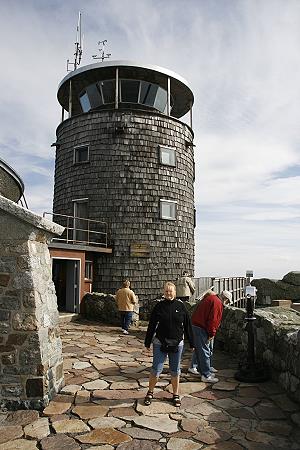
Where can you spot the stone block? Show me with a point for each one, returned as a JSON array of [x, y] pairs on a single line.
[[24, 322], [4, 315], [8, 360], [59, 372], [35, 387], [282, 303], [9, 302], [14, 390], [16, 338], [42, 369], [28, 299], [6, 348], [4, 279], [30, 357]]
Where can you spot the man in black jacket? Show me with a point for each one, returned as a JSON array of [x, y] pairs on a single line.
[[169, 320]]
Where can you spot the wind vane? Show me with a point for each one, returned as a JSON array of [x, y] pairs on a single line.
[[102, 55], [78, 47]]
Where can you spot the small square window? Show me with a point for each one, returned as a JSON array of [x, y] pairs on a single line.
[[81, 154], [168, 209], [167, 156]]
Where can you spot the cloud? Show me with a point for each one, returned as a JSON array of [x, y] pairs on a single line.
[[242, 62], [242, 168]]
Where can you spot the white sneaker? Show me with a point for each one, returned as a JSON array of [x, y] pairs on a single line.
[[213, 370], [209, 379], [125, 332], [193, 370]]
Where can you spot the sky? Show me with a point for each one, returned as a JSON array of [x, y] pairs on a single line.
[[241, 59]]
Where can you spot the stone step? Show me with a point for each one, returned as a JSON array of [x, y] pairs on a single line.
[[66, 317]]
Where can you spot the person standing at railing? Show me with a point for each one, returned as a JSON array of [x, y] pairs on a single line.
[[126, 300], [206, 320], [185, 287]]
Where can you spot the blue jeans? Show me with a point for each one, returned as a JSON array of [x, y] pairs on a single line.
[[203, 351], [160, 357], [126, 318]]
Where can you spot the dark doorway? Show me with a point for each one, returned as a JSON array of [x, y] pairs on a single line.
[[65, 275]]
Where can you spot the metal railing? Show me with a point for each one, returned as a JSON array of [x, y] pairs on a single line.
[[80, 231], [236, 285]]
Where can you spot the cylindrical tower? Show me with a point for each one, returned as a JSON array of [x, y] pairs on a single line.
[[124, 157]]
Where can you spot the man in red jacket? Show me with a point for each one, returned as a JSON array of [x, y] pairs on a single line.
[[206, 320]]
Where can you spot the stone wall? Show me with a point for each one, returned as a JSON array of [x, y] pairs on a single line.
[[277, 342], [103, 308], [124, 182], [31, 369]]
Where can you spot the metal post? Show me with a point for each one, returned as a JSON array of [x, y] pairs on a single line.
[[62, 114], [191, 117], [250, 371], [67, 229], [70, 99], [117, 89], [169, 97]]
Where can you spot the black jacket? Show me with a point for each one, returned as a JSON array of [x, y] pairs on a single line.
[[169, 319]]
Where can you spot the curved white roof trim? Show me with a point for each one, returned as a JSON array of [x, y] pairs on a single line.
[[124, 63]]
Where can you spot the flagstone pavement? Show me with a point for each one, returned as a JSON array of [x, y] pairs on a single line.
[[101, 406]]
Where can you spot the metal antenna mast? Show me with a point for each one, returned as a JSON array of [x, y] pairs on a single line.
[[101, 51], [78, 47]]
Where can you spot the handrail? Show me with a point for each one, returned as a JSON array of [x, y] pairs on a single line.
[[236, 285], [79, 230]]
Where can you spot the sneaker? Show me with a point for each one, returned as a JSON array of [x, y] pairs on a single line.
[[209, 379], [193, 370], [213, 370], [125, 332]]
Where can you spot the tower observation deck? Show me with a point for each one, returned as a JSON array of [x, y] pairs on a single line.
[[124, 156]]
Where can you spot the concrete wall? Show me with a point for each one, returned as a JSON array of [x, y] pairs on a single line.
[[277, 342], [124, 182], [31, 369]]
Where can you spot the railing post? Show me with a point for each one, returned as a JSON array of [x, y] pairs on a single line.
[[67, 229]]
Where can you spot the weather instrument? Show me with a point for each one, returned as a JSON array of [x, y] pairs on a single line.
[[102, 55], [78, 47]]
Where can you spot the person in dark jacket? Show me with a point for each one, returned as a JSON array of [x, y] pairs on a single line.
[[169, 320]]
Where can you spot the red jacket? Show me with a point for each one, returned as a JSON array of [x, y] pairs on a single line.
[[208, 314]]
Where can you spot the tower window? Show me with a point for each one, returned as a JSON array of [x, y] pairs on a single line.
[[108, 91], [85, 102], [81, 154], [168, 209], [88, 274], [167, 156], [130, 91]]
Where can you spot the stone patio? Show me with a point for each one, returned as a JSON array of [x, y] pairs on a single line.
[[101, 406]]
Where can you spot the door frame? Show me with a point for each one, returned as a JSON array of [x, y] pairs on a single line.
[[77, 300]]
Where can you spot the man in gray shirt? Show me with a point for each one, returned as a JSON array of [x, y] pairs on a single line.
[[185, 287]]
